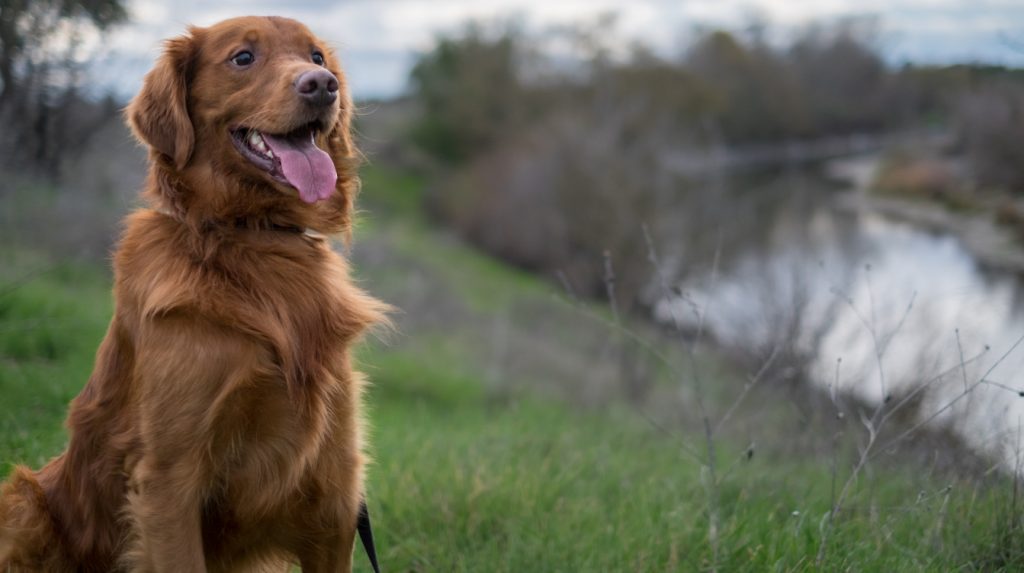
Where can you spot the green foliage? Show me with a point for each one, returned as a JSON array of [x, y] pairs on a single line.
[[469, 89], [758, 93], [844, 82], [486, 86], [482, 87]]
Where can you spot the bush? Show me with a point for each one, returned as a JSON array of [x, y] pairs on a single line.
[[991, 126], [470, 93]]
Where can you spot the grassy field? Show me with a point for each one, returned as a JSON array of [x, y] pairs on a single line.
[[502, 442]]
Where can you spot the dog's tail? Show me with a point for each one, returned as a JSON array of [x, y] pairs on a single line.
[[28, 541]]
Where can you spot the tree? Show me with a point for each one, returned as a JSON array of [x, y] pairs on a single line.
[[44, 116], [29, 28], [470, 90], [844, 77]]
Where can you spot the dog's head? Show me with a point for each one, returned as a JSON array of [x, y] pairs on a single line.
[[249, 119]]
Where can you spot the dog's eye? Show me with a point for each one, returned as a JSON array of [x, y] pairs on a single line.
[[243, 59], [318, 58]]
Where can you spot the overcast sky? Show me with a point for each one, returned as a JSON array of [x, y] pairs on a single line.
[[379, 39]]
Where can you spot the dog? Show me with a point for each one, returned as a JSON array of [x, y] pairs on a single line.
[[220, 429]]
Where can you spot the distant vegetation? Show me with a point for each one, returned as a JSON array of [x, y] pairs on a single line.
[[550, 161], [727, 87], [991, 123], [45, 109]]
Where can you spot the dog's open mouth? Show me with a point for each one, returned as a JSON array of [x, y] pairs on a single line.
[[291, 158]]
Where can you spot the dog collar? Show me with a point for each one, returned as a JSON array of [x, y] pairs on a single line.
[[243, 223]]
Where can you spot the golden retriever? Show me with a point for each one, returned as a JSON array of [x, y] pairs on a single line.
[[220, 429]]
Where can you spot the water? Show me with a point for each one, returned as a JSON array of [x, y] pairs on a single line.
[[892, 306]]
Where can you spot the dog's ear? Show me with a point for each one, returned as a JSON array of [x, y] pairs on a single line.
[[158, 115], [341, 147]]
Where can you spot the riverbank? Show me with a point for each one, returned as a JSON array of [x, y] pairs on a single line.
[[993, 244]]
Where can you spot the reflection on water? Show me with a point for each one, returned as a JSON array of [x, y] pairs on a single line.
[[861, 291]]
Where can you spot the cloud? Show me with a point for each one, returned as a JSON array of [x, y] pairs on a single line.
[[379, 39]]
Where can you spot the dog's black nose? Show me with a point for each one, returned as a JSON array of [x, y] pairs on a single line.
[[317, 87]]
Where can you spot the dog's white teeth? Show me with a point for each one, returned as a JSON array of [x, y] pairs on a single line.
[[257, 143]]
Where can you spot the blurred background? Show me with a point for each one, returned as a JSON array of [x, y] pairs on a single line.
[[682, 285]]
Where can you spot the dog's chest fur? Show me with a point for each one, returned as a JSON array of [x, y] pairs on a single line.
[[289, 404]]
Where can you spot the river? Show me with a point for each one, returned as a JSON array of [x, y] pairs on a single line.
[[878, 306]]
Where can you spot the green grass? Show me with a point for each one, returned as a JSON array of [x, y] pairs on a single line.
[[395, 199], [463, 483], [398, 192], [470, 478], [52, 317]]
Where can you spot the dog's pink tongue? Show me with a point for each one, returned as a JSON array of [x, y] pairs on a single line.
[[307, 167]]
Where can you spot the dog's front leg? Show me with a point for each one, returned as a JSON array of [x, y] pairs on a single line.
[[184, 365], [330, 553], [326, 536], [166, 507]]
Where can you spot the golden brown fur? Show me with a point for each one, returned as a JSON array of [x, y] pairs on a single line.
[[220, 429]]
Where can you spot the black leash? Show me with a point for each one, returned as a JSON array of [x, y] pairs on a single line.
[[366, 535]]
